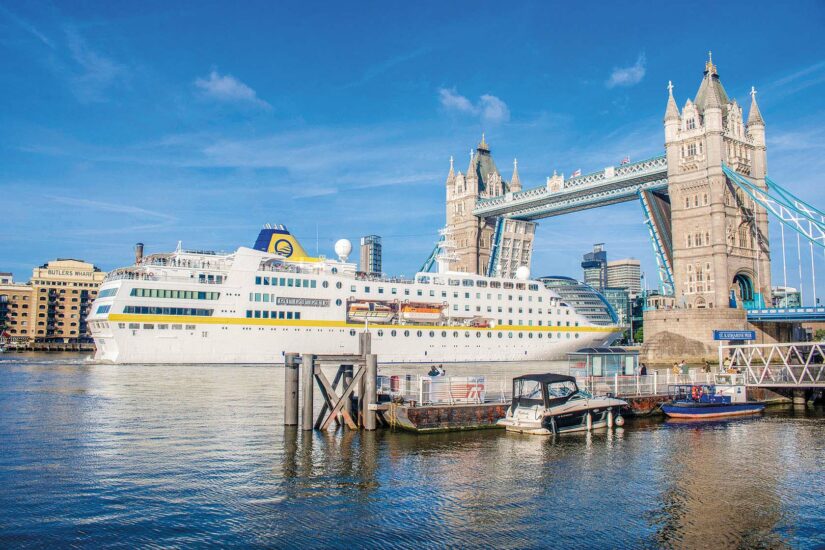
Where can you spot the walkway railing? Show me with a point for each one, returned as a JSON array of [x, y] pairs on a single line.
[[497, 387], [793, 364]]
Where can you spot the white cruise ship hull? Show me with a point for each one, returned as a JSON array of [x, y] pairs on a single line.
[[254, 306]]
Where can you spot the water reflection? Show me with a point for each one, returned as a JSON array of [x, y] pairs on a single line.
[[100, 455]]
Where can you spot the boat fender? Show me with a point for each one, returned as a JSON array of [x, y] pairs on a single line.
[[620, 421]]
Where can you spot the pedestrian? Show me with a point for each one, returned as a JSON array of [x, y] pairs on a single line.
[[675, 368], [433, 371], [706, 368], [683, 367], [643, 370]]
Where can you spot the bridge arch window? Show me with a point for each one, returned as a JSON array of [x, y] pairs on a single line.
[[707, 237], [705, 199]]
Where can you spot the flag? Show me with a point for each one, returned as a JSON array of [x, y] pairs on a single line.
[[625, 160], [577, 173]]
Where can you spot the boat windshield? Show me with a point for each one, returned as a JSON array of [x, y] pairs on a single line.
[[560, 389], [527, 392]]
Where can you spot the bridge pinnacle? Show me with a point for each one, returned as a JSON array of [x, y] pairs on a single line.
[[754, 116]]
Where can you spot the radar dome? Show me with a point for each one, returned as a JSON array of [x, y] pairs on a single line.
[[342, 248], [523, 273]]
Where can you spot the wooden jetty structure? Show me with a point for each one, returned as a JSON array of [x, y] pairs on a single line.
[[351, 399]]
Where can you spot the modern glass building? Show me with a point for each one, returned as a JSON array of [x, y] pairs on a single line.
[[583, 298], [371, 254], [594, 265]]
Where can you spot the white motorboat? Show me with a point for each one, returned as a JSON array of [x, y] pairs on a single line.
[[547, 404]]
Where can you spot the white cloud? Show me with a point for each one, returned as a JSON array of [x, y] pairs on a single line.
[[628, 76], [489, 107], [229, 89], [96, 73]]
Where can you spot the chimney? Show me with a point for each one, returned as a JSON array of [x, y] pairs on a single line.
[[138, 253]]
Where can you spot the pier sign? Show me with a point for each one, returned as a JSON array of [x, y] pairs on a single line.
[[734, 335]]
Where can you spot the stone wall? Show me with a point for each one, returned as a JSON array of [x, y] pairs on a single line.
[[675, 334]]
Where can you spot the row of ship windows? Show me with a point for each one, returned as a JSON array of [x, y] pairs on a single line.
[[311, 283], [258, 314], [467, 333], [152, 310], [380, 333], [181, 294], [287, 282], [151, 326]]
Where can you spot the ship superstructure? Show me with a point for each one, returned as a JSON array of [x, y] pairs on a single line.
[[256, 304]]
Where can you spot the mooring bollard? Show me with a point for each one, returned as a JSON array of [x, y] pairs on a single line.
[[308, 364], [370, 392], [291, 389]]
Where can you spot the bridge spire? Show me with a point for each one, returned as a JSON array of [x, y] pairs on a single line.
[[754, 116], [515, 181], [672, 111]]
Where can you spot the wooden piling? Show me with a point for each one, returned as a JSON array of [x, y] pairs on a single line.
[[347, 378], [370, 392], [308, 361], [291, 389]]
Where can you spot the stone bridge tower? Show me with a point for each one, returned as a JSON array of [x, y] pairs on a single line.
[[471, 238], [721, 253]]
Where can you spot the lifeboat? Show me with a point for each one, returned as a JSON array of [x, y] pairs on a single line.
[[370, 311], [420, 313]]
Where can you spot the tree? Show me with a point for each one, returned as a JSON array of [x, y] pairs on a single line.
[[639, 335]]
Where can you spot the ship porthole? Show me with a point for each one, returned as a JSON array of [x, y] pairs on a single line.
[[338, 302], [352, 332], [380, 333], [406, 333]]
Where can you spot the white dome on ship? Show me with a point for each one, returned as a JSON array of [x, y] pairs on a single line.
[[523, 273], [343, 248]]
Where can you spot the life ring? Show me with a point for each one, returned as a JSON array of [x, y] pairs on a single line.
[[694, 393]]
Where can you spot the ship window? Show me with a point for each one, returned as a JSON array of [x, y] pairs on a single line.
[[266, 314], [392, 333], [289, 282], [406, 292], [257, 314], [289, 315], [394, 291], [338, 285], [520, 335], [352, 288], [509, 285], [481, 284], [133, 326], [190, 327], [540, 335], [453, 282], [495, 284], [121, 325], [163, 327], [248, 313], [510, 334], [266, 281], [280, 315], [420, 292], [282, 281], [520, 286], [443, 333], [418, 334], [325, 284], [367, 289], [177, 327], [529, 334], [266, 297], [468, 282], [432, 293], [455, 334], [148, 326], [257, 280], [381, 290], [305, 283], [297, 314], [478, 335]]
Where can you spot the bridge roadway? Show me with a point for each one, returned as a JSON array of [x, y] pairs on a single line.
[[612, 185]]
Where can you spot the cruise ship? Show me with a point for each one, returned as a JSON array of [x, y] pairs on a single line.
[[256, 304]]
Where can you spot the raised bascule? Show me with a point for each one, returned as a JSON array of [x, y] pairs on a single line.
[[706, 204]]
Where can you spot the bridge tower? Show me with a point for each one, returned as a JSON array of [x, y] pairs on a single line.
[[473, 238], [721, 252]]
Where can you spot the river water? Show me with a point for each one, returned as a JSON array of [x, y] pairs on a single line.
[[173, 456]]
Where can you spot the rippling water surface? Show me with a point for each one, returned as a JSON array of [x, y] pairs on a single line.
[[101, 455]]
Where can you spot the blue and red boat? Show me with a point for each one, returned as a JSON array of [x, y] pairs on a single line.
[[703, 401]]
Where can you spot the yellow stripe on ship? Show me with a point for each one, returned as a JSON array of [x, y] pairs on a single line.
[[181, 319]]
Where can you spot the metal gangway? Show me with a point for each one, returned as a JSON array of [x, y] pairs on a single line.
[[781, 365]]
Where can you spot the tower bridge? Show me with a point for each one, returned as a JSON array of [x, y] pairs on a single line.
[[705, 201]]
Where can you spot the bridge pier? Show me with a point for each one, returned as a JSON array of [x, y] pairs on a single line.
[[799, 398]]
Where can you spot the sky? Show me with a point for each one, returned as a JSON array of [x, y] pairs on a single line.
[[198, 122]]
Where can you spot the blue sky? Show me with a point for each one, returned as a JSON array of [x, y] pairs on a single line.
[[159, 122]]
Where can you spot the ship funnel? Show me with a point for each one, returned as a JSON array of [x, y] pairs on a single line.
[[138, 253]]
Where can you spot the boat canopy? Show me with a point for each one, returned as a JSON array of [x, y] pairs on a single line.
[[547, 378]]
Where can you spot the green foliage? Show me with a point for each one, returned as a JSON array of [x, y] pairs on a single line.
[[639, 335], [819, 334]]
